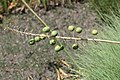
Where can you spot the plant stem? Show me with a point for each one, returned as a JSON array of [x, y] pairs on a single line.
[[34, 13], [65, 38]]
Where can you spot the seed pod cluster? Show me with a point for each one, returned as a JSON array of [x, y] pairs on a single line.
[[53, 35], [35, 39], [77, 29]]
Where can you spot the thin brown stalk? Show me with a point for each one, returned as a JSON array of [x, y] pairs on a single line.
[[63, 37], [34, 13]]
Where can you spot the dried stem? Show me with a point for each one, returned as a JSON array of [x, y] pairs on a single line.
[[34, 13], [62, 37], [101, 40]]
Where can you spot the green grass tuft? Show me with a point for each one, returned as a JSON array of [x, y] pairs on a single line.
[[101, 61]]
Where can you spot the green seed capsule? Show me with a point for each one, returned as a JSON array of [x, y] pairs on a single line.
[[71, 28], [52, 42], [75, 46], [46, 29], [54, 33], [37, 39], [78, 29], [42, 37], [94, 32], [31, 42], [62, 47], [57, 48]]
